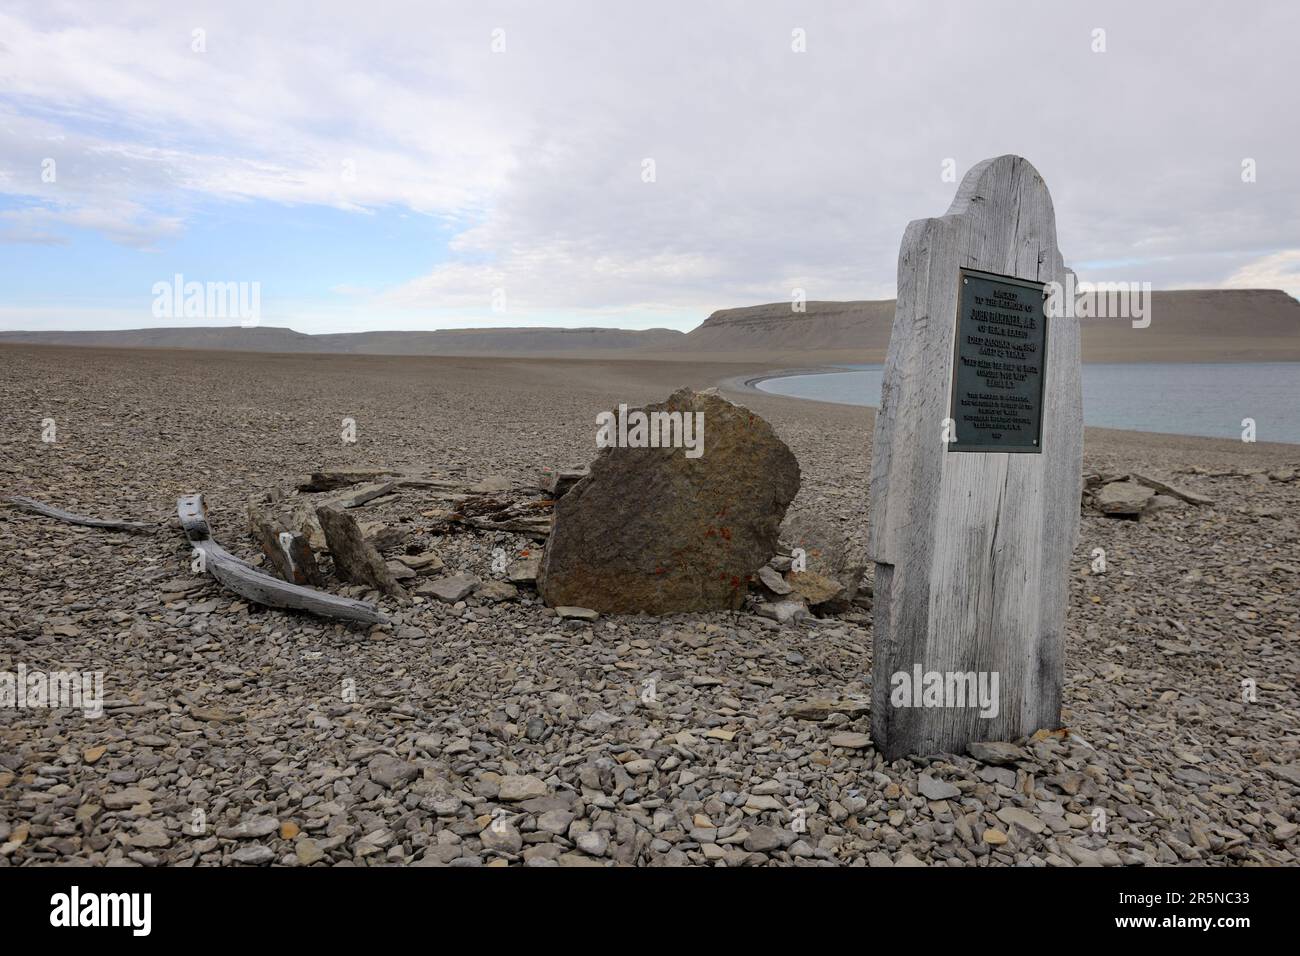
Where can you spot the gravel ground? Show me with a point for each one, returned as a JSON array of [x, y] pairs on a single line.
[[487, 734]]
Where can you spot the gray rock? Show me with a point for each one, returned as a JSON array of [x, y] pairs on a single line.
[[501, 836], [1122, 498], [593, 842], [308, 851], [452, 588], [763, 839], [516, 787], [1015, 816], [391, 772], [257, 855], [355, 559], [126, 798], [524, 571], [1288, 772], [497, 591], [555, 821], [1172, 491], [996, 752], [934, 789], [784, 612], [773, 581], [253, 828], [492, 484], [1161, 503]]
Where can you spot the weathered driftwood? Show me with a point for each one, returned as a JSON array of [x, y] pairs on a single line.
[[36, 507], [1191, 497], [971, 549], [254, 585], [454, 486], [332, 479], [366, 493], [536, 528], [329, 479], [492, 513]]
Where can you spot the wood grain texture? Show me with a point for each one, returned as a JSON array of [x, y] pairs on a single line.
[[972, 548], [68, 517]]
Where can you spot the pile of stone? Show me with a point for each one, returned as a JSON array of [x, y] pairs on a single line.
[[1134, 495], [311, 535], [816, 573]]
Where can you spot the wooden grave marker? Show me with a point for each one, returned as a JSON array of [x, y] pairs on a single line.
[[976, 474]]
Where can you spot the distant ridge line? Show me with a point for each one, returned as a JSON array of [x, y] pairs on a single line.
[[1187, 325]]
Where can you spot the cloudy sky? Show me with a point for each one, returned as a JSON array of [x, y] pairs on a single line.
[[439, 164]]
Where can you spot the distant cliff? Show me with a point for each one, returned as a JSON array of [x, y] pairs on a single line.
[[1239, 325], [1247, 325], [776, 327], [514, 341]]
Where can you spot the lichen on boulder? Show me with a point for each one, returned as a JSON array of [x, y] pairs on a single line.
[[654, 530]]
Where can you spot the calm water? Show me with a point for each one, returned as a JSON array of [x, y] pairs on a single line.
[[1209, 400]]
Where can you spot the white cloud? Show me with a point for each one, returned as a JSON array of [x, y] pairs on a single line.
[[774, 169], [1278, 271]]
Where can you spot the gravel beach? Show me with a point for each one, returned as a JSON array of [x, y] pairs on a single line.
[[491, 732]]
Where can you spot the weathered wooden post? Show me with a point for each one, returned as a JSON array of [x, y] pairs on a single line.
[[975, 474]]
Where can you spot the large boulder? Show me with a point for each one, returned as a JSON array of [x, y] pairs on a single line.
[[653, 530]]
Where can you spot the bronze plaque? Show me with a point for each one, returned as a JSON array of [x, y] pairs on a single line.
[[998, 365]]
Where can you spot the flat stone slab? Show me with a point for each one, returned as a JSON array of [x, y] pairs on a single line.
[[935, 789], [576, 613], [1122, 498], [773, 581], [518, 787], [355, 559], [996, 752], [819, 708], [1015, 816], [496, 591], [453, 588]]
